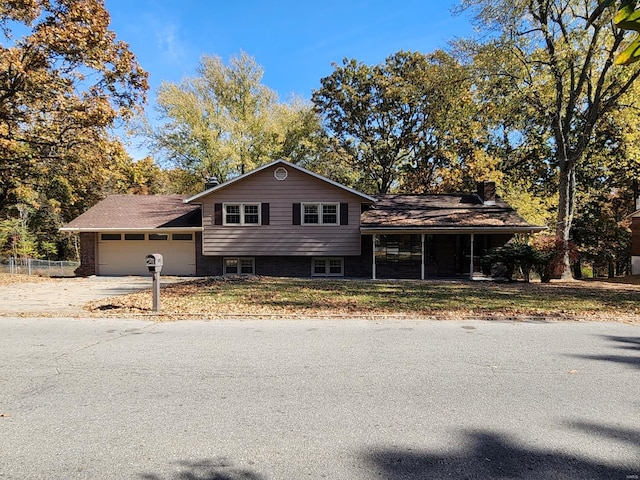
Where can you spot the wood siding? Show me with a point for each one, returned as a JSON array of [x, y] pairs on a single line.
[[280, 237]]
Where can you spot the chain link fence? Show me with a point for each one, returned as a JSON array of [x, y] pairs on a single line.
[[33, 266]]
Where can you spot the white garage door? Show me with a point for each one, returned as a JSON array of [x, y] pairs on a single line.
[[125, 253]]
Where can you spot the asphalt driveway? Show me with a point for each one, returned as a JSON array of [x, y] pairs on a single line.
[[66, 296]]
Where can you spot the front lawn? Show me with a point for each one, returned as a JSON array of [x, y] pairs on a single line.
[[278, 297]]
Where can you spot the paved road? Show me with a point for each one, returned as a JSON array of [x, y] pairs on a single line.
[[256, 400]]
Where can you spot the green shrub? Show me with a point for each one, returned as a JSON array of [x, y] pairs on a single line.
[[504, 261]]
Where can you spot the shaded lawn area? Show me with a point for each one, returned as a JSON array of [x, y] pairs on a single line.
[[262, 296]]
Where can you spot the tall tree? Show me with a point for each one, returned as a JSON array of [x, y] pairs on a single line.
[[64, 82], [610, 188], [224, 120], [407, 123], [564, 75], [627, 18]]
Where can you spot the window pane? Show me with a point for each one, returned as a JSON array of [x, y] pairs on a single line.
[[134, 236], [232, 213], [335, 265], [311, 208], [251, 214], [399, 248], [311, 213], [246, 265], [182, 236], [158, 236], [319, 266], [330, 214], [231, 265], [110, 236]]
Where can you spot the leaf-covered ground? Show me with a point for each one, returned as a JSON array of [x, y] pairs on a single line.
[[277, 297], [10, 279]]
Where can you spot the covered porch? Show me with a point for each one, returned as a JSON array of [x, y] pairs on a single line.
[[427, 255], [439, 236]]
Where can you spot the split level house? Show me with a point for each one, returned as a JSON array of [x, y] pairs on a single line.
[[283, 220]]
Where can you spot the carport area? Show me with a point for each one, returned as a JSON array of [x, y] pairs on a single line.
[[66, 296]]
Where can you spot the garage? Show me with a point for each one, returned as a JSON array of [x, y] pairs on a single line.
[[119, 232], [124, 253]]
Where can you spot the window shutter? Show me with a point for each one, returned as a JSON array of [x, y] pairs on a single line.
[[217, 214], [265, 213], [296, 213], [344, 214]]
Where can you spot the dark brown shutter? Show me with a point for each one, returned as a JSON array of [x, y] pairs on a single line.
[[344, 214], [265, 213], [296, 213], [217, 214]]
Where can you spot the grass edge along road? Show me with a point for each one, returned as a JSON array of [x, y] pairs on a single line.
[[224, 297]]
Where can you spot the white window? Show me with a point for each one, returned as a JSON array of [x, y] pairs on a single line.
[[328, 267], [320, 213], [242, 214], [158, 236], [236, 266]]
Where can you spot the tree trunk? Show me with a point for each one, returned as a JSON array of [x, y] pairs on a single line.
[[612, 270], [577, 269], [566, 205]]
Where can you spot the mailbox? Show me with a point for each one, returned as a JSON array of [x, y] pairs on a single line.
[[154, 262]]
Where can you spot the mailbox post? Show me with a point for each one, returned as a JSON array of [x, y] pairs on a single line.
[[154, 263]]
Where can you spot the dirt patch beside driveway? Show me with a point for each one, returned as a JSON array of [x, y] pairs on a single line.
[[61, 297]]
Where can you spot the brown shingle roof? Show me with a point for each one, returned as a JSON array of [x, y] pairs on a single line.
[[138, 212], [433, 212]]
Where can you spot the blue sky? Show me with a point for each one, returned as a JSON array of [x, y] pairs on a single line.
[[295, 42]]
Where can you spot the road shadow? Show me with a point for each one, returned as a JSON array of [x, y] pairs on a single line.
[[630, 351], [489, 455], [624, 435], [207, 469]]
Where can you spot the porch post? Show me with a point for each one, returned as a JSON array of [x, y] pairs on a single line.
[[373, 251], [422, 269], [471, 267]]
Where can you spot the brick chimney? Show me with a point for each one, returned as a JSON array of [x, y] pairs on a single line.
[[487, 192], [211, 182]]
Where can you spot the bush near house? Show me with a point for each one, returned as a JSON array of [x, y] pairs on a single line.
[[543, 256]]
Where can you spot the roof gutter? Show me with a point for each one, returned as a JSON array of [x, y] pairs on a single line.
[[137, 229], [449, 230]]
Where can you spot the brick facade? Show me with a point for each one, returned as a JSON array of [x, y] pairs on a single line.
[[88, 246]]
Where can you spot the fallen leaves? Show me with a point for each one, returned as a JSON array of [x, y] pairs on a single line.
[[221, 297]]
